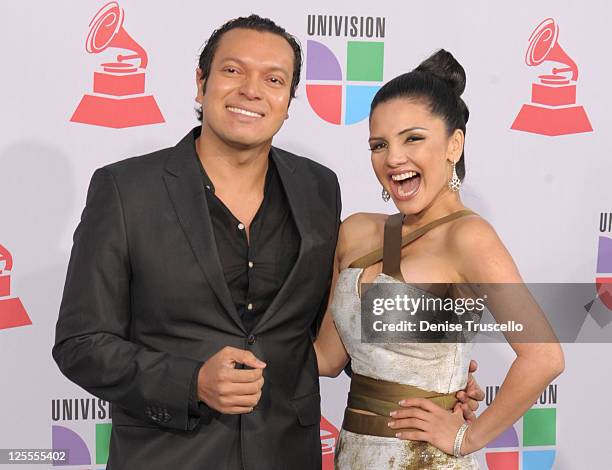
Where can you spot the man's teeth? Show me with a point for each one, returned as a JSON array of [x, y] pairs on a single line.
[[403, 176], [243, 111]]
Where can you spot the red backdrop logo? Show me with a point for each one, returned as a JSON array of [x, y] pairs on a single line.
[[118, 98], [12, 313], [553, 109], [329, 438]]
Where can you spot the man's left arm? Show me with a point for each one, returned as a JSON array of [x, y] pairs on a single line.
[[468, 399], [471, 396]]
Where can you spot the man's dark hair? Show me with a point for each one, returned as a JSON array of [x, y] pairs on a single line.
[[256, 23]]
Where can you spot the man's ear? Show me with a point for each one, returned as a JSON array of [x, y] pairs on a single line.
[[200, 80]]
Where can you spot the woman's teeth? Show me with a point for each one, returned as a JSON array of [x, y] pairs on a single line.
[[401, 192], [403, 176], [406, 184]]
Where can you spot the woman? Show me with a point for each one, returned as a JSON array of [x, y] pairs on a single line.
[[417, 130]]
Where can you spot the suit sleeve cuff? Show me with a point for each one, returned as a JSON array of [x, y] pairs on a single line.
[[198, 410], [194, 409]]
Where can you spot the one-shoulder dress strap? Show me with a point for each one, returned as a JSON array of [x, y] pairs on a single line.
[[393, 242], [392, 246]]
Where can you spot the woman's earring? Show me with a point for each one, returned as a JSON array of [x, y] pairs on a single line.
[[385, 195], [455, 183]]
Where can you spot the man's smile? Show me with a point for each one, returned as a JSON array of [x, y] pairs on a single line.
[[244, 112]]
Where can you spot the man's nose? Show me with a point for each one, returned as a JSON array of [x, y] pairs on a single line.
[[250, 87]]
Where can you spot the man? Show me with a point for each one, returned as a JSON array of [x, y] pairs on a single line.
[[198, 273]]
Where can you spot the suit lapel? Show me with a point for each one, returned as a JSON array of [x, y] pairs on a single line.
[[184, 184], [296, 191]]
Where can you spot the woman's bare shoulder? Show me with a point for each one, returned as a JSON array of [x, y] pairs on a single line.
[[471, 232], [359, 234], [480, 251]]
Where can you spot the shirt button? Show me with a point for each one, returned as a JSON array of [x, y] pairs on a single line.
[[250, 264], [250, 307], [208, 187], [241, 226], [251, 339]]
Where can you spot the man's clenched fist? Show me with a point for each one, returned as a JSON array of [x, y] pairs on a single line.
[[227, 389]]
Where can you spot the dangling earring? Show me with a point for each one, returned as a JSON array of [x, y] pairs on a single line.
[[385, 195], [454, 183]]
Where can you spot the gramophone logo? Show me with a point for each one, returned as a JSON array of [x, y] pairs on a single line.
[[329, 438], [12, 312], [118, 98], [553, 109]]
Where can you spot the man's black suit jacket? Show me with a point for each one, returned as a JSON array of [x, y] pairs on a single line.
[[145, 302]]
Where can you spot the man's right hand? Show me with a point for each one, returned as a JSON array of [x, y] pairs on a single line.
[[227, 389]]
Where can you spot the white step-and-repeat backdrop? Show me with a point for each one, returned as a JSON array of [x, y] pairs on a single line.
[[538, 163]]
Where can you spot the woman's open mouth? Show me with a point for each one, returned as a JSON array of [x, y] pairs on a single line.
[[405, 185]]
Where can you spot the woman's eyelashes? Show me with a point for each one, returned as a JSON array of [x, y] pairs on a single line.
[[377, 146], [413, 138], [374, 147]]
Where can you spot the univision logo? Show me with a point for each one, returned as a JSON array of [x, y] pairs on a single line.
[[530, 443], [83, 433], [604, 260], [63, 437], [342, 94]]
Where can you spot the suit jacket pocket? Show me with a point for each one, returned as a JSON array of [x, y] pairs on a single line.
[[308, 409]]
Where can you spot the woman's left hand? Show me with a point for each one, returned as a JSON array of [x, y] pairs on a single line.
[[431, 423]]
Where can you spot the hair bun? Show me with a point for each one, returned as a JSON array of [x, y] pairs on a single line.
[[443, 65]]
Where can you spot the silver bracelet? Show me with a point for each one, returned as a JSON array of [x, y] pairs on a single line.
[[459, 440]]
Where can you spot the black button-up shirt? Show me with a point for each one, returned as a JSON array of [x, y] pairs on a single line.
[[255, 269]]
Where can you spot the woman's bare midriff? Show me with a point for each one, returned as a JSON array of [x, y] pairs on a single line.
[[363, 412]]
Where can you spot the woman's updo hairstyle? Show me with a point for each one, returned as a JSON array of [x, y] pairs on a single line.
[[439, 81]]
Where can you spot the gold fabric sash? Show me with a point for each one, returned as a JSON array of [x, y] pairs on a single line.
[[382, 397]]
